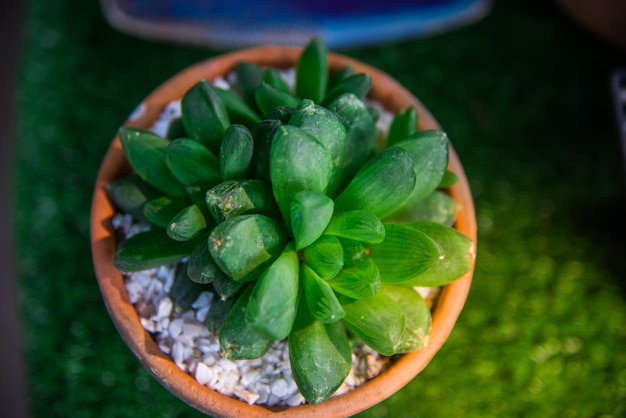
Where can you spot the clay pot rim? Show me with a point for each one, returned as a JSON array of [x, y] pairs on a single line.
[[450, 302]]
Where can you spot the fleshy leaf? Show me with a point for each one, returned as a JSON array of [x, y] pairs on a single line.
[[238, 111], [274, 300], [272, 77], [268, 97], [201, 268], [357, 84], [149, 249], [218, 313], [404, 254], [237, 197], [225, 287], [310, 213], [298, 162], [237, 340], [146, 152], [245, 245], [360, 281], [320, 298], [429, 152], [448, 179], [417, 318], [160, 211], [456, 255], [249, 77], [130, 194], [263, 134], [312, 71], [236, 152], [381, 186], [437, 207], [358, 225], [320, 356], [324, 256], [187, 224], [326, 127], [204, 115], [185, 291], [377, 321], [192, 163], [403, 125], [360, 133]]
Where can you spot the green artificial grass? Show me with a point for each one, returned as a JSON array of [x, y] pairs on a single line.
[[524, 96]]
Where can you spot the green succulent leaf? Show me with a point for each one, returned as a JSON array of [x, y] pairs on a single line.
[[272, 77], [353, 252], [204, 115], [382, 185], [225, 287], [320, 356], [201, 268], [455, 259], [130, 195], [249, 77], [236, 152], [160, 211], [185, 291], [378, 322], [429, 152], [245, 245], [268, 97], [324, 256], [360, 281], [358, 225], [402, 126], [405, 253], [337, 76], [237, 339], [281, 113], [417, 317], [274, 300], [216, 318], [437, 207], [146, 152], [320, 298], [238, 197], [360, 133], [192, 163], [448, 179], [238, 111], [187, 224], [263, 134], [310, 213], [150, 249], [298, 162], [326, 127], [357, 84], [176, 129], [312, 71]]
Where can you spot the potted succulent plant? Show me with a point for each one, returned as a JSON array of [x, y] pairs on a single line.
[[303, 221]]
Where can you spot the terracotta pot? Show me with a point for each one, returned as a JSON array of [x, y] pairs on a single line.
[[445, 312]]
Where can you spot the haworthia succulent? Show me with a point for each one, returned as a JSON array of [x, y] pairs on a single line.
[[238, 197]]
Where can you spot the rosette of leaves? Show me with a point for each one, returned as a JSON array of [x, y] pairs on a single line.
[[280, 201]]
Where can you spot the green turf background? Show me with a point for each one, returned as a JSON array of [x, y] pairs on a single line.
[[524, 95]]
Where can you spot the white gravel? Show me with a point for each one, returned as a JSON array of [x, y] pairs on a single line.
[[185, 338]]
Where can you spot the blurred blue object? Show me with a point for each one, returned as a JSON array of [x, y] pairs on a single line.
[[340, 23]]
